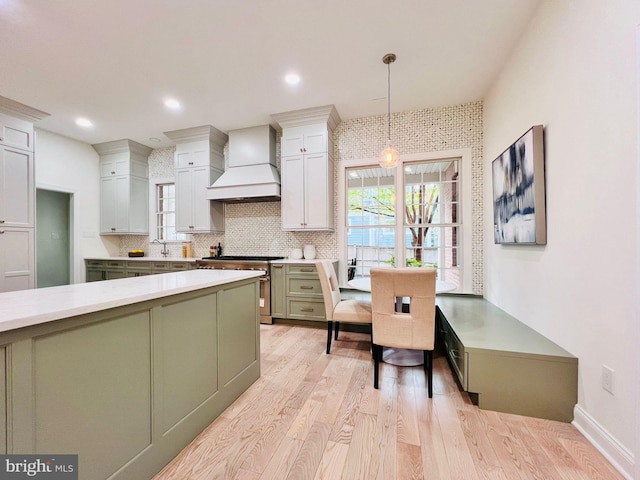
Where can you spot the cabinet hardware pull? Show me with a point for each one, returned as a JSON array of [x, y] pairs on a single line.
[[306, 269], [113, 173], [1, 139], [113, 229], [1, 221], [306, 309], [306, 287], [1, 231], [191, 226]]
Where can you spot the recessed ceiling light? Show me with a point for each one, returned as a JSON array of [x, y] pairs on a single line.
[[84, 122], [292, 79], [172, 104], [154, 139]]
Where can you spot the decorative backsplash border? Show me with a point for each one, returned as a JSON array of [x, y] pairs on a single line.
[[255, 228]]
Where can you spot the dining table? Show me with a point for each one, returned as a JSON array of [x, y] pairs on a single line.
[[364, 284], [401, 357]]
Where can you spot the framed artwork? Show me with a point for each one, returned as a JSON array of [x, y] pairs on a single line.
[[519, 211]]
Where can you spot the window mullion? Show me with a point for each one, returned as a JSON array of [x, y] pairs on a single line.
[[400, 250]]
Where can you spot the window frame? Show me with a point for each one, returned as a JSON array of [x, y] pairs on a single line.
[[465, 201], [153, 201]]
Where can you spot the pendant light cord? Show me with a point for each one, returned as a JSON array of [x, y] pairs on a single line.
[[389, 101]]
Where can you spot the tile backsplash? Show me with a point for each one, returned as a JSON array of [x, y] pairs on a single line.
[[255, 228]]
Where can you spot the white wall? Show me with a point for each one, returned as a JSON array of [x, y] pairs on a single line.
[[66, 165], [574, 71]]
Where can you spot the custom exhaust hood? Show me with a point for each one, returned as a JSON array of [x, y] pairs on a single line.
[[251, 174]]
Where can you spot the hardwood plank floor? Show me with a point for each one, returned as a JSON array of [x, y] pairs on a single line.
[[316, 416]]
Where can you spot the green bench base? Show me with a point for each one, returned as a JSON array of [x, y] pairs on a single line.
[[505, 365]]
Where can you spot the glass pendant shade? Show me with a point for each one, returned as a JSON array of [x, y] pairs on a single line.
[[389, 156]]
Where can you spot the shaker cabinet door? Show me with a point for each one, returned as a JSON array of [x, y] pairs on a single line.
[[16, 133], [292, 190], [17, 263], [16, 188], [318, 192], [107, 205]]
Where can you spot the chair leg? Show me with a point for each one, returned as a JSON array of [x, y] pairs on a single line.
[[428, 364], [376, 364], [373, 352], [337, 328], [329, 328]]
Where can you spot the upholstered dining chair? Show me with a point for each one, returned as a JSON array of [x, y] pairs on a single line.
[[336, 309], [414, 329]]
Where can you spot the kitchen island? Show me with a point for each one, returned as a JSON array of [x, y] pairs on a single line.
[[125, 373]]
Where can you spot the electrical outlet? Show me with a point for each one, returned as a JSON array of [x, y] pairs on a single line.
[[608, 379]]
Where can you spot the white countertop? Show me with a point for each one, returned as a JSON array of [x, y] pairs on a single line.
[[300, 260], [31, 307], [147, 259]]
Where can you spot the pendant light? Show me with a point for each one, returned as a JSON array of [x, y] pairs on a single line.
[[389, 156]]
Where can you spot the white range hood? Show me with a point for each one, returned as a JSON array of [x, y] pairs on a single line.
[[251, 174]]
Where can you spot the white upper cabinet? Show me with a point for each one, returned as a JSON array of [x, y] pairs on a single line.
[[124, 187], [17, 195], [298, 141], [16, 133], [307, 168], [17, 199], [198, 162]]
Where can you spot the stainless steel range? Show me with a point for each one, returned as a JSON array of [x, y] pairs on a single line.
[[227, 262]]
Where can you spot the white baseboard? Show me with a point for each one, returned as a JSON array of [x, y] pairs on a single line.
[[619, 456]]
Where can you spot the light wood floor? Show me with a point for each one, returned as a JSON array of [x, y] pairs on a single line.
[[317, 416]]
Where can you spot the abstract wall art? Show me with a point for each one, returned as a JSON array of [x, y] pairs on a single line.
[[519, 212]]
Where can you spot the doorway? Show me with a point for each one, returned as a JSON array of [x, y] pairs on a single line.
[[53, 238]]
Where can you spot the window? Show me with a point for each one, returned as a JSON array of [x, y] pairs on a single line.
[[371, 218], [166, 213], [431, 206], [426, 225]]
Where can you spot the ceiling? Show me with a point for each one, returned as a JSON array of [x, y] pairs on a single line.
[[115, 61]]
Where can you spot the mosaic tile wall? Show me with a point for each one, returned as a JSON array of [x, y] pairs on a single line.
[[254, 228], [427, 130], [250, 228]]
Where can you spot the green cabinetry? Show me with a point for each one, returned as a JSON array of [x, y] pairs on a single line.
[[127, 388], [278, 292], [105, 270], [504, 364], [296, 292], [98, 269]]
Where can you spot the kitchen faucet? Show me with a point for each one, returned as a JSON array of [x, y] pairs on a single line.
[[164, 252]]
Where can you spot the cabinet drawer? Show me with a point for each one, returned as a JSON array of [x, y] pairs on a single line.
[[113, 264], [305, 309], [95, 263], [160, 266], [138, 265], [306, 269], [308, 287], [179, 266], [455, 351]]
